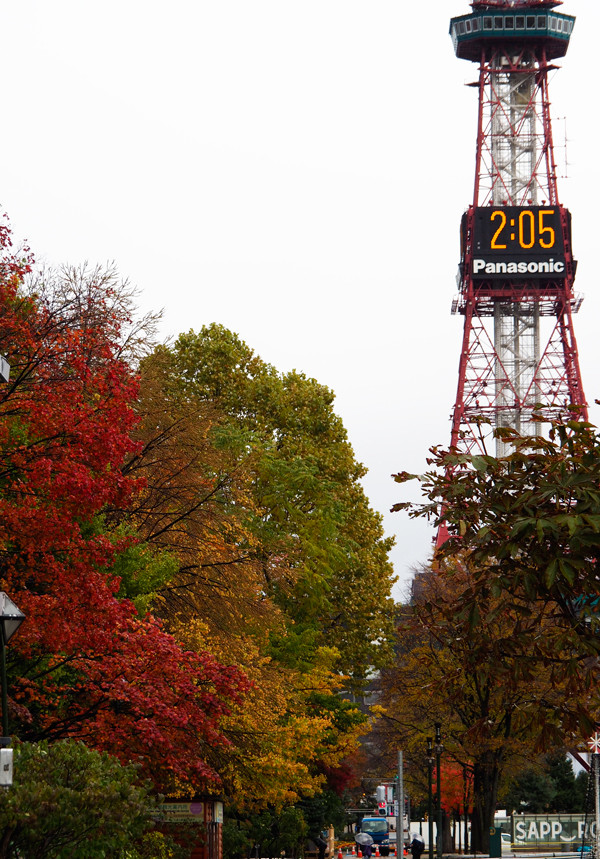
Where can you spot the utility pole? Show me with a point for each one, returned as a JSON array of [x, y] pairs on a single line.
[[438, 753], [400, 815], [430, 763], [594, 744], [596, 771]]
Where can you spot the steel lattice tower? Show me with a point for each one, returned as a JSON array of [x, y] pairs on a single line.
[[517, 269]]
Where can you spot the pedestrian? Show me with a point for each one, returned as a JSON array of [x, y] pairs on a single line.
[[416, 847], [321, 846]]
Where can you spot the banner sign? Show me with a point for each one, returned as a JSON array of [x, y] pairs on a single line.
[[548, 830], [188, 812]]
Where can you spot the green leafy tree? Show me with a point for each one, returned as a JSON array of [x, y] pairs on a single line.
[[322, 811], [269, 832], [321, 548], [156, 845], [70, 801], [551, 787], [532, 791], [566, 798], [582, 781]]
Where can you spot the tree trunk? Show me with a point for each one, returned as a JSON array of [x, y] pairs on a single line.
[[446, 834], [5, 838], [486, 772]]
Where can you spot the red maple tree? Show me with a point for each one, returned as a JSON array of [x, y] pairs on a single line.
[[84, 664], [456, 784]]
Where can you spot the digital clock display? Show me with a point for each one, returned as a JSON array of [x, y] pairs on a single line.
[[521, 241]]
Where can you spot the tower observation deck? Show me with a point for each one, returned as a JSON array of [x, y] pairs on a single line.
[[516, 272]]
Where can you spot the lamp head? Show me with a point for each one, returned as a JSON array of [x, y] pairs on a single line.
[[11, 617]]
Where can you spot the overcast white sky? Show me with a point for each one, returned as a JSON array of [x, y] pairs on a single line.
[[293, 170]]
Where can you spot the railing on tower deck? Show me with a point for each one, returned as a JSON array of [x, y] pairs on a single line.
[[513, 4]]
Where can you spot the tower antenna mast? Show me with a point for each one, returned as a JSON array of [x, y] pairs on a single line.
[[519, 358]]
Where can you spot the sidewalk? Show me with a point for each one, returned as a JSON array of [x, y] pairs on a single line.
[[520, 854]]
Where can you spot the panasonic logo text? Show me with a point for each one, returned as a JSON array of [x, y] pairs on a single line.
[[481, 266]]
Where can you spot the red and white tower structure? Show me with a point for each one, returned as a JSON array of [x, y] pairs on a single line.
[[516, 273]]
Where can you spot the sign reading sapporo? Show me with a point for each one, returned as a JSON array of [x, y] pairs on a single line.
[[518, 241], [552, 829]]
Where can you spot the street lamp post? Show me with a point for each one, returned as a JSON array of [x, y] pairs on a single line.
[[4, 369], [11, 619], [465, 810], [438, 753], [430, 762]]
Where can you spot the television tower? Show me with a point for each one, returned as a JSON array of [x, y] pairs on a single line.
[[516, 272]]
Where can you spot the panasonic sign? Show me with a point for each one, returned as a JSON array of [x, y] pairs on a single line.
[[517, 242], [529, 268]]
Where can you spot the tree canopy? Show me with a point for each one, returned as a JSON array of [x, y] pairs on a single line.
[[501, 637], [528, 527], [68, 800], [489, 709], [251, 485], [186, 531], [546, 785], [319, 546]]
